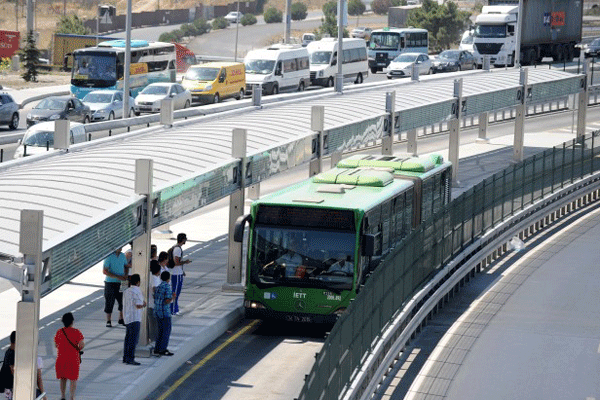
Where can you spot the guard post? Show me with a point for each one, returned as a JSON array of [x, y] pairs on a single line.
[[519, 139], [236, 210], [317, 124], [28, 309], [583, 102], [454, 127], [140, 252], [388, 136]]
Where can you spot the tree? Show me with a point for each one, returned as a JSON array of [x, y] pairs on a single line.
[[31, 57], [299, 11], [71, 24], [272, 15], [380, 7], [330, 8], [356, 8], [445, 23]]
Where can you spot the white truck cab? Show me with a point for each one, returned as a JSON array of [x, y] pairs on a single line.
[[494, 34]]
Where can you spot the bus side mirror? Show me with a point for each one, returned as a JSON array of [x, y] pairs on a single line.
[[240, 224], [372, 244], [334, 62]]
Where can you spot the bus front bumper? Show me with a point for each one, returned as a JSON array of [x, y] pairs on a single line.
[[266, 314]]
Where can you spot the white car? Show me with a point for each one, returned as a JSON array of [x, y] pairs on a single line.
[[234, 16], [39, 138], [148, 101], [107, 104], [402, 65]]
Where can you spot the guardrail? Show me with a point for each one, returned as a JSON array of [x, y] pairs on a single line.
[[412, 280]]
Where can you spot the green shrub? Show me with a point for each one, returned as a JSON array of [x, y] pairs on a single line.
[[220, 23], [202, 26], [177, 35], [188, 30], [273, 15], [299, 11], [248, 19], [166, 37]]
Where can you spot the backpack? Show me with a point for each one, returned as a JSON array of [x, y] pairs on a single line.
[[171, 260]]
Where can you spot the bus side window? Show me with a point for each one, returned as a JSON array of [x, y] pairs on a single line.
[[402, 42]]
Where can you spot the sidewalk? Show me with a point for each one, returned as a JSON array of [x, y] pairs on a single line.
[[208, 312]]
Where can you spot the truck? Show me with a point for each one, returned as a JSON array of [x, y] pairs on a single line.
[[63, 45], [549, 28]]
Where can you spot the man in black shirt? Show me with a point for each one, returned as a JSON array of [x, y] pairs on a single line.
[[8, 368]]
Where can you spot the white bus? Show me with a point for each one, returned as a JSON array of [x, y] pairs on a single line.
[[323, 60], [102, 67], [278, 68], [388, 43]]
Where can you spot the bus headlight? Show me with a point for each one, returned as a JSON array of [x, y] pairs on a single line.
[[254, 305], [339, 312]]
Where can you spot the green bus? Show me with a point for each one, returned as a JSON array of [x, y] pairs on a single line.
[[311, 246]]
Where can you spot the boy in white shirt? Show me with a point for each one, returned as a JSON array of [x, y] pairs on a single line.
[[133, 302]]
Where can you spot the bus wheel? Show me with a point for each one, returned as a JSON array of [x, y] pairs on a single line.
[[359, 79], [301, 87], [330, 82], [373, 70], [242, 93], [216, 98], [275, 89]]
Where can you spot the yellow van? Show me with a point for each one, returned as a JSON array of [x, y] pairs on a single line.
[[215, 81]]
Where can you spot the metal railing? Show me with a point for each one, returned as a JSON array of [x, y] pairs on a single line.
[[492, 210]]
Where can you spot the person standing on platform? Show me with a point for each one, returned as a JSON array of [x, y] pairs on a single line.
[[176, 264], [69, 347], [162, 298], [115, 271], [7, 371], [133, 302]]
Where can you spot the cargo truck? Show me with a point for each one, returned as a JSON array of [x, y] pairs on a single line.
[[549, 28]]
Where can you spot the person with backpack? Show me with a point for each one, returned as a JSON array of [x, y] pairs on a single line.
[[176, 263]]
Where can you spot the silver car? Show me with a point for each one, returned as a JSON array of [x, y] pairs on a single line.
[[148, 101], [9, 111], [107, 104]]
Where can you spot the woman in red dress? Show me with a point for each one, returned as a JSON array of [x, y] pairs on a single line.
[[68, 342]]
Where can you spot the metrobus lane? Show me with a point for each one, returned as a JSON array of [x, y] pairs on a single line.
[[254, 360]]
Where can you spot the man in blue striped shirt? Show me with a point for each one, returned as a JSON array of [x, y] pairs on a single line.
[[162, 298]]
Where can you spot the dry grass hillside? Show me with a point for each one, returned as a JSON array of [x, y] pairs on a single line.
[[48, 12]]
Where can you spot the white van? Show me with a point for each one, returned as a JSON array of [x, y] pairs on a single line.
[[280, 67], [323, 60], [39, 138]]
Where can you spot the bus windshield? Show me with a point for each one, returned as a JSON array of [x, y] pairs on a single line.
[[202, 74], [320, 57], [261, 67], [385, 40], [98, 69], [301, 257], [490, 31]]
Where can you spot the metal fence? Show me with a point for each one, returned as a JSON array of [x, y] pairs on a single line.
[[407, 268]]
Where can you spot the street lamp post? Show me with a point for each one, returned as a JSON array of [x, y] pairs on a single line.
[[339, 77], [237, 29], [126, 71]]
